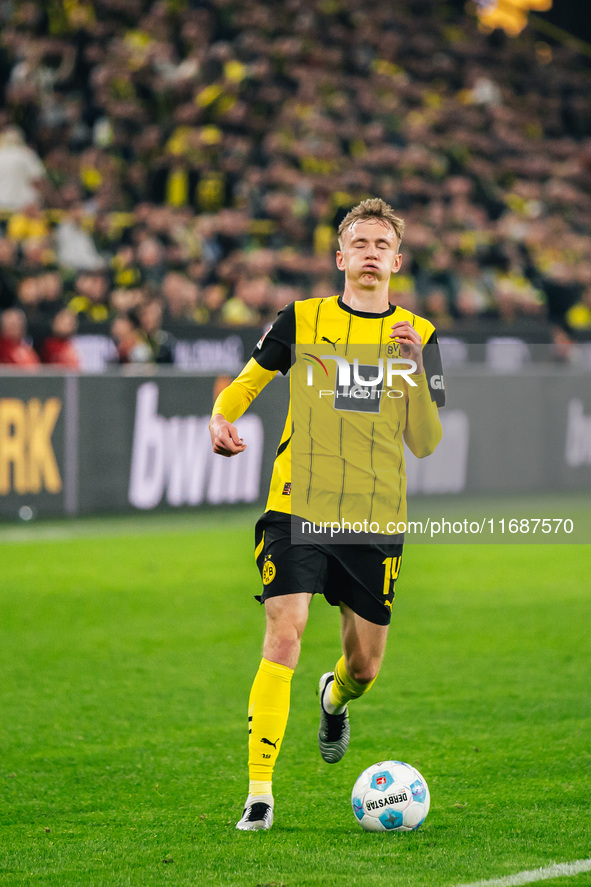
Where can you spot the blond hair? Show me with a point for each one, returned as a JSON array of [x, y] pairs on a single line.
[[374, 208]]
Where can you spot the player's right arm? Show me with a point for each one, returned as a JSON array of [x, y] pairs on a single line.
[[272, 354], [232, 403]]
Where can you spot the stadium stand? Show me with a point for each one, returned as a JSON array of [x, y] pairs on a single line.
[[201, 154]]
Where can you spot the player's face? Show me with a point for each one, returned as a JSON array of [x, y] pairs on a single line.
[[369, 253]]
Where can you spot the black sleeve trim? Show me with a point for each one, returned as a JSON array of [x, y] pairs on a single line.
[[273, 351], [434, 369]]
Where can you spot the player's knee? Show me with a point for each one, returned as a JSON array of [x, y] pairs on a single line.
[[284, 649], [282, 644], [286, 621]]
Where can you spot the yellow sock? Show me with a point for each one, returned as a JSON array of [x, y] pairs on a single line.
[[268, 708], [344, 688]]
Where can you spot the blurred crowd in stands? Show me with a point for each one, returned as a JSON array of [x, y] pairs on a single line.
[[189, 160]]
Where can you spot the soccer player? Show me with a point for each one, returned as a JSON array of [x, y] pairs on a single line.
[[349, 455]]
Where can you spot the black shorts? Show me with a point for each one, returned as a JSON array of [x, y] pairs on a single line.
[[360, 576]]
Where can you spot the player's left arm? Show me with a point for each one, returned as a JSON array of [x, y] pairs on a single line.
[[423, 426]]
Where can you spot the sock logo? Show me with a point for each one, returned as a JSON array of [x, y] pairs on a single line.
[[268, 742]]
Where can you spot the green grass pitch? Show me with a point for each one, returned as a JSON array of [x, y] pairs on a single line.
[[127, 650]]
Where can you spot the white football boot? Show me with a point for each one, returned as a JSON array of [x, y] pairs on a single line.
[[334, 732], [257, 815]]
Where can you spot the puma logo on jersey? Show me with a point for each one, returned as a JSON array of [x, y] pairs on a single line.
[[334, 344]]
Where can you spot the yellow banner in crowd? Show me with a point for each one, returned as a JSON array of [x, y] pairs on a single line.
[[511, 15]]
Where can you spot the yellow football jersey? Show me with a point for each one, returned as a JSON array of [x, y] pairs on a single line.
[[353, 404]]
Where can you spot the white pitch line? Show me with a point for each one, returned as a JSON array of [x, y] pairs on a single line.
[[561, 869]]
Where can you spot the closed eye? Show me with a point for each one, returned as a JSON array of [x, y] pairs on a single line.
[[381, 244]]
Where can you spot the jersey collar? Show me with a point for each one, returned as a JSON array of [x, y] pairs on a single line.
[[387, 313]]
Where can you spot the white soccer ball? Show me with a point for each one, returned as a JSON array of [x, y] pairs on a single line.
[[390, 797]]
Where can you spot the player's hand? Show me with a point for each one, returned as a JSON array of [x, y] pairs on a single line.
[[411, 344], [224, 437]]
